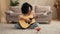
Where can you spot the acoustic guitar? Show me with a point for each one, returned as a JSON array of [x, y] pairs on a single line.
[[25, 24]]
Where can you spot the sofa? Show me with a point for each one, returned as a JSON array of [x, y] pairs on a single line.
[[43, 11]]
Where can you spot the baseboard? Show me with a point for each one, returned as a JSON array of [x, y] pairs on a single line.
[[43, 22]]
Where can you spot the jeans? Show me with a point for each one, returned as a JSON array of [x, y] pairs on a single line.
[[18, 26]]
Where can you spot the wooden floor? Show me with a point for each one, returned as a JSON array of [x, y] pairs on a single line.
[[52, 28]]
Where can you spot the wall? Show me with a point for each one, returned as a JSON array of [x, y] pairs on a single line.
[[42, 3], [4, 6], [0, 13]]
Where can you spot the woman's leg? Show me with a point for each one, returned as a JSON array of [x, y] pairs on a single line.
[[33, 26], [18, 26]]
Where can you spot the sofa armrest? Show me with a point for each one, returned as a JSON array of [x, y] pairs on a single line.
[[9, 11], [12, 14]]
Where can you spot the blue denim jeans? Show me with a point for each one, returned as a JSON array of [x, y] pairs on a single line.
[[18, 26]]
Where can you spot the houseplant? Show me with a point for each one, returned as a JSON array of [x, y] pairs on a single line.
[[14, 5]]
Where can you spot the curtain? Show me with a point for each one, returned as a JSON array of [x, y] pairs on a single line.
[[4, 6]]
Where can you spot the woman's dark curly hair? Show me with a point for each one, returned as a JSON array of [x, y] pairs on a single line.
[[25, 8]]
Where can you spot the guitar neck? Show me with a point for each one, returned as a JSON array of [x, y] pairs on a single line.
[[34, 17]]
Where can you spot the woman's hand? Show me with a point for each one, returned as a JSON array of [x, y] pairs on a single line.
[[37, 16], [28, 21]]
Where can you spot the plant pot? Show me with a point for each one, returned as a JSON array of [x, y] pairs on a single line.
[[15, 8]]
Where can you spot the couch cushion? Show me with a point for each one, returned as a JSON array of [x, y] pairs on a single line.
[[42, 9]]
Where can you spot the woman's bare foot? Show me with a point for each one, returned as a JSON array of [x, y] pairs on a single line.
[[37, 29]]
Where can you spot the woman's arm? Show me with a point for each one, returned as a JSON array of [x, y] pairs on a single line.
[[34, 15], [22, 18]]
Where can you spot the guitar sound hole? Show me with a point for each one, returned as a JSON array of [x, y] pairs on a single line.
[[31, 18], [27, 22]]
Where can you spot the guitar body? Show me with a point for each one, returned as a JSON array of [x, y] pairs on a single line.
[[24, 24]]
